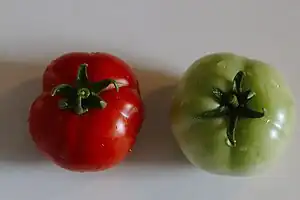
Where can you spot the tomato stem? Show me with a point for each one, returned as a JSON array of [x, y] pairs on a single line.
[[233, 106], [84, 95]]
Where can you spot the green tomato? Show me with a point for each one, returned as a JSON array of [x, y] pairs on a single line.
[[232, 115]]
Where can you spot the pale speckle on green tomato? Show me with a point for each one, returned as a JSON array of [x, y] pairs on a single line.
[[259, 141]]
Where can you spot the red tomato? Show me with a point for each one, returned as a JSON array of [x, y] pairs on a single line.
[[89, 113]]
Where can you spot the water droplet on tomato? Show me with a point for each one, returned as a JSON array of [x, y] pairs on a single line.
[[62, 157], [243, 149], [102, 145], [130, 150], [222, 64], [275, 84], [228, 143], [249, 74]]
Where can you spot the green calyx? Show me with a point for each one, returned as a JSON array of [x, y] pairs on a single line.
[[85, 94], [233, 106]]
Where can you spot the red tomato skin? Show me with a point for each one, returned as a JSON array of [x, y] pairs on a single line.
[[98, 139], [94, 141]]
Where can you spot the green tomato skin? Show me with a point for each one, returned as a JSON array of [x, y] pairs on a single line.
[[259, 141]]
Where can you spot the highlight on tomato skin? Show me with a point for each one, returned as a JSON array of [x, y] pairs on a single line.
[[89, 113], [232, 115]]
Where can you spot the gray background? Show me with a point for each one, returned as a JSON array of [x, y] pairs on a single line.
[[160, 38]]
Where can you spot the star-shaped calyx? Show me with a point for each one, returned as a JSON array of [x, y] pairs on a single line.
[[232, 106], [84, 95]]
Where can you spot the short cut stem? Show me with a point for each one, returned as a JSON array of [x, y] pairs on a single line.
[[85, 94], [233, 106]]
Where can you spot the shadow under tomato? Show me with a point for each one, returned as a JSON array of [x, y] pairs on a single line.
[[20, 85], [155, 144]]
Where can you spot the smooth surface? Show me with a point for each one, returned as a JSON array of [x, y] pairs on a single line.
[[159, 38], [258, 140]]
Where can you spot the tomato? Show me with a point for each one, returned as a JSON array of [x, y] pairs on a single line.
[[89, 113], [232, 115]]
